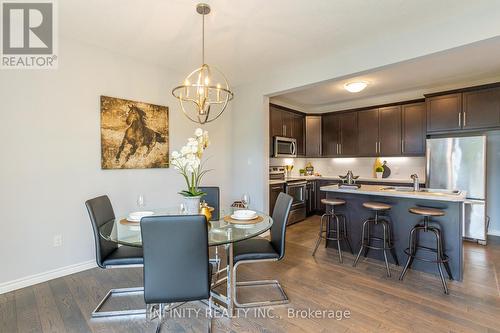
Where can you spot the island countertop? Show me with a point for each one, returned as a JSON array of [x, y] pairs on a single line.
[[383, 191]]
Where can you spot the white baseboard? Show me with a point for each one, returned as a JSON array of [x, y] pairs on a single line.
[[45, 276], [494, 232]]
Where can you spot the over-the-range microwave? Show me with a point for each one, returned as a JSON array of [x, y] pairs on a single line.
[[285, 147]]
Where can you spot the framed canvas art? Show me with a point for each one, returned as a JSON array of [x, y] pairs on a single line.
[[134, 135]]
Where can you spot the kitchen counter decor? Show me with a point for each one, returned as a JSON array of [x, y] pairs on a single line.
[[188, 162]]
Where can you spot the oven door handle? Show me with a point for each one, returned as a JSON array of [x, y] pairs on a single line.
[[298, 184]]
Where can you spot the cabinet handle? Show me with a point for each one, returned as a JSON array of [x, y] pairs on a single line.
[[402, 146], [465, 119], [376, 147], [379, 147], [337, 146], [340, 149], [460, 119]]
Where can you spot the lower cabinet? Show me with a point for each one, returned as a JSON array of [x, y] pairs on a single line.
[[274, 191], [311, 206]]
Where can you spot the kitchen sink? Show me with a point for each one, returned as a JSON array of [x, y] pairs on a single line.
[[440, 191], [398, 188], [425, 190]]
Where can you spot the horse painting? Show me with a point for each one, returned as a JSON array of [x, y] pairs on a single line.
[[138, 134], [133, 134]]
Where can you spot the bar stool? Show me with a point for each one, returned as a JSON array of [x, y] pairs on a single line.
[[337, 234], [411, 251], [367, 238]]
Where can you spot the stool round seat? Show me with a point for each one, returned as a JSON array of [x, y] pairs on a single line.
[[425, 211], [378, 206], [333, 202]]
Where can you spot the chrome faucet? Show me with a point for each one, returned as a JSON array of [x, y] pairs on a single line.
[[416, 184]]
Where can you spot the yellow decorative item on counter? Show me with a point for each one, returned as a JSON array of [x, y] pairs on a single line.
[[206, 210], [378, 163]]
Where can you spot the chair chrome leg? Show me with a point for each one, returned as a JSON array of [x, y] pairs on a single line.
[[123, 291], [231, 280], [284, 299]]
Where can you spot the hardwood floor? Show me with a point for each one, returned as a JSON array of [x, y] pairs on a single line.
[[375, 303]]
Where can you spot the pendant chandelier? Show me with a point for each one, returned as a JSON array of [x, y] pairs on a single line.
[[205, 93]]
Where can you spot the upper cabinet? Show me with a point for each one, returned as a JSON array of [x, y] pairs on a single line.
[[340, 133], [368, 132], [380, 131], [481, 109], [468, 109], [413, 122], [331, 135], [288, 123], [389, 131], [348, 134], [444, 113], [313, 136]]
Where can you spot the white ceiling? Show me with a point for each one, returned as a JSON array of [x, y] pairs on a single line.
[[470, 63], [244, 38]]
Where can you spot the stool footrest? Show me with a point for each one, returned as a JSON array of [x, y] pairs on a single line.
[[429, 249]]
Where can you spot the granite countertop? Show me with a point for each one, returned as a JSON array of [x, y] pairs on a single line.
[[378, 190]]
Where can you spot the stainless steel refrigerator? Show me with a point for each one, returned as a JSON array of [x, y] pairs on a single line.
[[460, 164]]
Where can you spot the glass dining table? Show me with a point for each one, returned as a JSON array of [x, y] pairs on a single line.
[[221, 233]]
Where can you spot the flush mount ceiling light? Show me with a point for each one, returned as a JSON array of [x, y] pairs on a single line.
[[205, 93], [355, 87]]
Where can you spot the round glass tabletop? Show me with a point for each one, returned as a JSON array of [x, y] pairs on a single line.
[[220, 232]]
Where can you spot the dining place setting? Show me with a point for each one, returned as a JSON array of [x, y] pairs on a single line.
[[190, 251]]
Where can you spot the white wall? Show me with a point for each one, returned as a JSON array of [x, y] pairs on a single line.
[[50, 155], [251, 113]]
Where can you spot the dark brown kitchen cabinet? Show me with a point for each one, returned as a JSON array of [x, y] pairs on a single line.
[[444, 113], [274, 191], [297, 132], [389, 131], [481, 109], [339, 134], [313, 136], [287, 123], [413, 129], [348, 134], [368, 133], [331, 137]]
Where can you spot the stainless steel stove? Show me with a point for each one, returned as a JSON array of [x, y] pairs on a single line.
[[296, 188]]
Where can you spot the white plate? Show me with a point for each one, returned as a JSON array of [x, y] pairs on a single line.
[[244, 214], [244, 218], [137, 216]]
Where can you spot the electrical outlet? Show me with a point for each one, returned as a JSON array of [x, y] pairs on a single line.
[[57, 241]]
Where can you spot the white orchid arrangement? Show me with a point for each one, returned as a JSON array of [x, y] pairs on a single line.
[[188, 162]]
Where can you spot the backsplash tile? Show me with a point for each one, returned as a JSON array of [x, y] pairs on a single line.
[[401, 167]]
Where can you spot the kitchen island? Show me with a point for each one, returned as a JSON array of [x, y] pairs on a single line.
[[402, 221]]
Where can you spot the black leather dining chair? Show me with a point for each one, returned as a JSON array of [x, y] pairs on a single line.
[[212, 198], [176, 267], [257, 250], [110, 255]]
